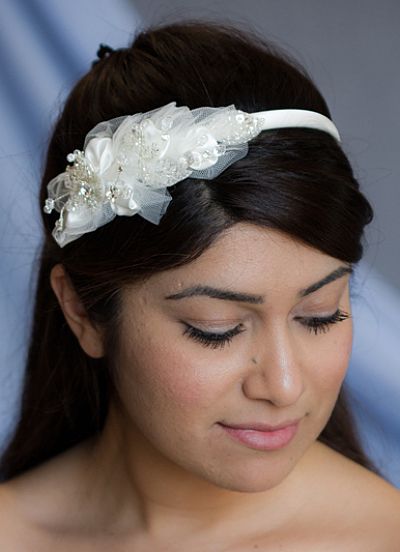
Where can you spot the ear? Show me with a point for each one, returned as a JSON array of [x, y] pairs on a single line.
[[90, 338]]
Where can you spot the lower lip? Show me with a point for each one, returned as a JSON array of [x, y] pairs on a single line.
[[263, 440]]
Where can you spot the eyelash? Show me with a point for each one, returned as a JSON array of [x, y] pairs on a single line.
[[215, 340], [210, 339]]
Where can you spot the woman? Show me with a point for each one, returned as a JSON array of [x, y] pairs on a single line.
[[192, 326]]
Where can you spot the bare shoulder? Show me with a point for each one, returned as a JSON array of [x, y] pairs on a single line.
[[35, 499], [363, 504], [15, 533], [355, 482]]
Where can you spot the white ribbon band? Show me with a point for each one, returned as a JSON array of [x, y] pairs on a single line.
[[287, 118]]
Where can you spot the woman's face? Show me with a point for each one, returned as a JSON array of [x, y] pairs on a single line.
[[249, 333]]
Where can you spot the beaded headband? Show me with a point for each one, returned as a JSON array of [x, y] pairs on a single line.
[[128, 162]]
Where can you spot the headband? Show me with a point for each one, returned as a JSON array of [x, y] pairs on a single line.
[[128, 162]]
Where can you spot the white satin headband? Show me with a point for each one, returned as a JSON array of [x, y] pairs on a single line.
[[127, 163], [286, 118]]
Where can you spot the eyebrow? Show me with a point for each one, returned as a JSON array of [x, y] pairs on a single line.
[[225, 294], [338, 273]]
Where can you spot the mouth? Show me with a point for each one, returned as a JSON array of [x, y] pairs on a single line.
[[261, 436]]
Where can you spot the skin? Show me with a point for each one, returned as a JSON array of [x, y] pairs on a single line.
[[164, 475]]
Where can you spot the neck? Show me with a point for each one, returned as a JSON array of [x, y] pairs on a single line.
[[135, 486]]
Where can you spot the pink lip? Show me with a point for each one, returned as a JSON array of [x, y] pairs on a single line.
[[262, 436]]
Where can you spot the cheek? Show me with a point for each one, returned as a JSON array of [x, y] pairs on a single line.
[[333, 360], [164, 376], [177, 377]]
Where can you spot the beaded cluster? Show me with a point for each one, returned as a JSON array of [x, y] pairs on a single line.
[[127, 164], [81, 187]]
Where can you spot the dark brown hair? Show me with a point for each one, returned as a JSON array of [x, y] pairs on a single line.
[[296, 180]]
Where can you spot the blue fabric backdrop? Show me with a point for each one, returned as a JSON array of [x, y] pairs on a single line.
[[44, 48]]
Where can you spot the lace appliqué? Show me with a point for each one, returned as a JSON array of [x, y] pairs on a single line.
[[128, 163]]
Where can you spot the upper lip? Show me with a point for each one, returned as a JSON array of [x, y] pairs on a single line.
[[261, 427]]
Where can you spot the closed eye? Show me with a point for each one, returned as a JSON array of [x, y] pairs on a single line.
[[318, 324], [314, 324], [210, 339]]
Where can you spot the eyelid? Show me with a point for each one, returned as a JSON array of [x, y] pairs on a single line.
[[202, 326], [316, 313], [323, 305], [218, 324]]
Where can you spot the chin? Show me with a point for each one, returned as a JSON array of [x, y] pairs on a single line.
[[257, 476], [248, 484]]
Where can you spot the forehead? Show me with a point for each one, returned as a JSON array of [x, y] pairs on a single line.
[[251, 259]]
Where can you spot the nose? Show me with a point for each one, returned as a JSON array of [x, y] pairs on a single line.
[[275, 373]]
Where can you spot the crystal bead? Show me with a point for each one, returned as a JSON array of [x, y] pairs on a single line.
[[71, 157], [112, 194], [48, 206]]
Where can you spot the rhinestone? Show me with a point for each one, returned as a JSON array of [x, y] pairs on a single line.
[[71, 157], [112, 194]]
